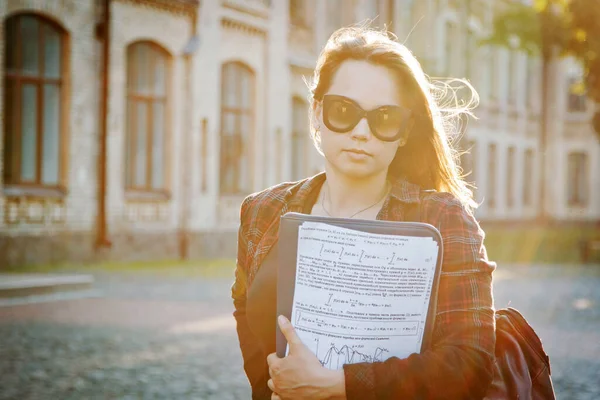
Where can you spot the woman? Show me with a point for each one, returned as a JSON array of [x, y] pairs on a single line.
[[375, 120]]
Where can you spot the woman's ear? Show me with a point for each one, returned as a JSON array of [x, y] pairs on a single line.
[[315, 116], [315, 125]]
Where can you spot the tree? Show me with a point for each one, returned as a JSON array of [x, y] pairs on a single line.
[[584, 44], [554, 28]]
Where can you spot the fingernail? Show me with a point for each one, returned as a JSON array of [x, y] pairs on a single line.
[[282, 320]]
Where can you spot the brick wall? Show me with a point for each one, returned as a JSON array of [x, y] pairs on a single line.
[[34, 229], [37, 230], [78, 206]]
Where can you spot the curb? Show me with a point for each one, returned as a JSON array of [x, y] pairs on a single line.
[[22, 285]]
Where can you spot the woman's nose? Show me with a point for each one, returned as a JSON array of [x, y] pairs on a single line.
[[361, 131]]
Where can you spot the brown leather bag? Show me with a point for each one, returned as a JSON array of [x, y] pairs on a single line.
[[522, 368]]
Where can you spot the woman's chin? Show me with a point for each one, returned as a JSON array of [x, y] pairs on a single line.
[[356, 171]]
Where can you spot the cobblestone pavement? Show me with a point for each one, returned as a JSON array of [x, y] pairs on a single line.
[[153, 336]]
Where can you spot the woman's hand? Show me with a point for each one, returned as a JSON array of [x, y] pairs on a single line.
[[300, 375]]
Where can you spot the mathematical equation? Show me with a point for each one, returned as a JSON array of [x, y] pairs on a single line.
[[348, 326], [344, 253], [335, 299]]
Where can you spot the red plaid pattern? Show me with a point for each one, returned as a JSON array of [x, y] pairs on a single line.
[[459, 364]]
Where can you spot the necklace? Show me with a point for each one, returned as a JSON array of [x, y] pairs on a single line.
[[358, 212]]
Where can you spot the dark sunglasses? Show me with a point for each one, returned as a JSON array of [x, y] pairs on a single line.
[[387, 123]]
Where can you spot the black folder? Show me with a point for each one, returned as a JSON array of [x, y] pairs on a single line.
[[288, 250]]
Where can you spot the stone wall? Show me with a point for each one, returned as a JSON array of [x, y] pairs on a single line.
[[70, 248], [35, 229], [78, 207]]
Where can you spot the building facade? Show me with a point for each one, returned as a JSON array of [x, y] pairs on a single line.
[[136, 133]]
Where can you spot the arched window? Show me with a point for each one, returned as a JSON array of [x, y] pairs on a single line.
[[237, 123], [147, 98], [300, 137], [34, 75]]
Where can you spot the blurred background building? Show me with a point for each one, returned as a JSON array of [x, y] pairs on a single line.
[[136, 130]]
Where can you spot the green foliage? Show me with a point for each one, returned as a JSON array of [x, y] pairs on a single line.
[[555, 27], [584, 41], [519, 22]]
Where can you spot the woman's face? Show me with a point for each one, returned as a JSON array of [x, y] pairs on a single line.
[[358, 154]]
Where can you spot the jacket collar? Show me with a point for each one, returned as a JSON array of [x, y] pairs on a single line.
[[401, 190]]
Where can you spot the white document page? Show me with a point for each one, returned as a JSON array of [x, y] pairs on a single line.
[[361, 297]]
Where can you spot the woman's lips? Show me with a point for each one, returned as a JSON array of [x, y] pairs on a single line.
[[357, 155]]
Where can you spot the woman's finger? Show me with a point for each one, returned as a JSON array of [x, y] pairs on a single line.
[[274, 396], [271, 385], [289, 332], [272, 359]]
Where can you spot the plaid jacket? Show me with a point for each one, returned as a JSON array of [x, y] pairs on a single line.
[[460, 362]]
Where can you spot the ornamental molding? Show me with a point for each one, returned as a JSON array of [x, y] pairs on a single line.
[[235, 24], [180, 7]]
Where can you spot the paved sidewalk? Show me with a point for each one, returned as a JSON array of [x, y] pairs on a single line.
[[21, 285], [154, 336]]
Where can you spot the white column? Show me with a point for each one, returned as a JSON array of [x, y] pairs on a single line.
[[207, 95], [321, 26], [555, 189], [278, 121]]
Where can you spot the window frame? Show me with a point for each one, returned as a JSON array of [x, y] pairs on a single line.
[[513, 69], [302, 135], [239, 112], [528, 170], [576, 103], [298, 13], [577, 179], [492, 74], [13, 183], [530, 95], [132, 98], [511, 159], [492, 189]]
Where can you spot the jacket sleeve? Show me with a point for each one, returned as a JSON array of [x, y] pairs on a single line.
[[459, 364], [255, 363]]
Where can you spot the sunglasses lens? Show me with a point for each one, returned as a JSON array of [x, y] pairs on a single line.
[[388, 122], [341, 115]]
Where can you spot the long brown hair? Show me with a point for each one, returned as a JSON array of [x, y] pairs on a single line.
[[428, 159]]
